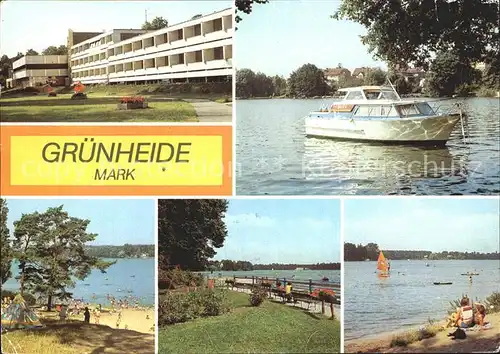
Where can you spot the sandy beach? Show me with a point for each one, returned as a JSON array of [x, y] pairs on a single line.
[[476, 342], [136, 320]]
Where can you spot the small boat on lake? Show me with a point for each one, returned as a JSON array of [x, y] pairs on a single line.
[[325, 279], [378, 114], [470, 274], [442, 283]]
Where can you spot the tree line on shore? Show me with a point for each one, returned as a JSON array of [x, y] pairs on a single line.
[[371, 251], [50, 248], [230, 265], [124, 251], [447, 39]]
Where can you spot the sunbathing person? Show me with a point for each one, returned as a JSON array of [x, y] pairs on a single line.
[[480, 316], [465, 315]]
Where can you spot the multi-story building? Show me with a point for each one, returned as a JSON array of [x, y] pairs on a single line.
[[38, 70], [196, 50]]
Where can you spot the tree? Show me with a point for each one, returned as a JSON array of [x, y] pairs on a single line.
[[245, 6], [447, 74], [244, 83], [6, 261], [189, 230], [279, 85], [31, 52], [491, 75], [156, 24], [262, 85], [53, 50], [307, 81], [404, 32], [50, 249], [375, 77], [401, 84]]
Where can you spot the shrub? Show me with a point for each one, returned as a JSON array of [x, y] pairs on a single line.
[[52, 94], [182, 307], [402, 340], [257, 296], [229, 282], [175, 278], [79, 96], [492, 303]]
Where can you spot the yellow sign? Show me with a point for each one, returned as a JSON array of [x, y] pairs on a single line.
[[116, 160]]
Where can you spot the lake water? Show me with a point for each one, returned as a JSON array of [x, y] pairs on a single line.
[[300, 275], [374, 305], [117, 281], [274, 157]]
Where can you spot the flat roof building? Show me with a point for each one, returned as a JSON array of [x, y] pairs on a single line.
[[200, 49], [39, 70]]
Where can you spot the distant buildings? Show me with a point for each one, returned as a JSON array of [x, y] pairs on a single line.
[[197, 50], [39, 70], [335, 74]]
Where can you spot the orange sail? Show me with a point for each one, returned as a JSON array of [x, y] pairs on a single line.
[[382, 264]]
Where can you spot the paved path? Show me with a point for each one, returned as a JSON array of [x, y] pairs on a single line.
[[210, 111]]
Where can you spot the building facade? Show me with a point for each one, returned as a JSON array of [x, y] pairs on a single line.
[[196, 50], [39, 70]]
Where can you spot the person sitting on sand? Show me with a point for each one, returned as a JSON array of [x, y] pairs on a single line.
[[86, 315], [480, 315], [465, 315]]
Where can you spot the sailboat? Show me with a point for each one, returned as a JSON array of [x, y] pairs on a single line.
[[382, 265]]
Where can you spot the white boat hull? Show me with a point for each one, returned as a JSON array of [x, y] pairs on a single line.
[[425, 129]]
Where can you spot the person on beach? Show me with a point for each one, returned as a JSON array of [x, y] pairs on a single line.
[[63, 313], [465, 314], [119, 319], [97, 315], [86, 315], [480, 315]]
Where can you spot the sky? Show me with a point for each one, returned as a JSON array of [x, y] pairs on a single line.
[[443, 224], [300, 231], [280, 36], [116, 221], [39, 24]]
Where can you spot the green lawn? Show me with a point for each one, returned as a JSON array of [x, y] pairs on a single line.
[[41, 108], [270, 328]]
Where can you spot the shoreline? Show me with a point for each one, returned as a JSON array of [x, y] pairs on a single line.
[[476, 341]]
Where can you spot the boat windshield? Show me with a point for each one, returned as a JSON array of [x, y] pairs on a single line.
[[388, 95], [415, 109]]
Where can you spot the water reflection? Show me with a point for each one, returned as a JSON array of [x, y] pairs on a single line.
[[384, 167]]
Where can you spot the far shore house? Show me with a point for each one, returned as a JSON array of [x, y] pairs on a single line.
[[40, 70], [417, 74], [360, 73], [335, 74]]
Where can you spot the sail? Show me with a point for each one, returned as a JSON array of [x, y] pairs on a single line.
[[382, 263]]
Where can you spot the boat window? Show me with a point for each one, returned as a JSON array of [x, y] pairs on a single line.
[[388, 95], [408, 110], [365, 111], [388, 111], [354, 95], [425, 109], [371, 95]]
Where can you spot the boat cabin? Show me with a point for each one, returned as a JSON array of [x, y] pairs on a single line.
[[370, 93], [377, 102]]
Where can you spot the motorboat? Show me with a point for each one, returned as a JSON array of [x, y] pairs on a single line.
[[378, 114]]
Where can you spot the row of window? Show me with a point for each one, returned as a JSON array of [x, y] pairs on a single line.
[[408, 110], [176, 59], [168, 37]]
